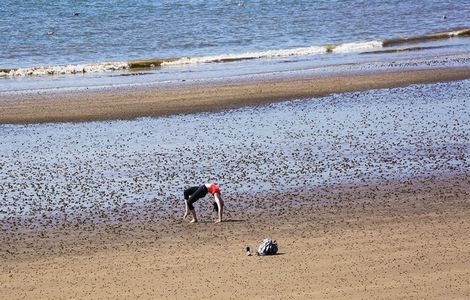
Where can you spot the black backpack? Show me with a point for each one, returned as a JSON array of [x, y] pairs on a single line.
[[267, 247]]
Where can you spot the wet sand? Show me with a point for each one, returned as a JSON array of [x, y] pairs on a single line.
[[390, 240], [133, 102]]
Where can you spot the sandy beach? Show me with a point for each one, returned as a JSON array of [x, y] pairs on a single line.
[[373, 199], [375, 241], [340, 129], [133, 102]]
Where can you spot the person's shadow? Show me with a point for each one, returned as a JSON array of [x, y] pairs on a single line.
[[233, 221]]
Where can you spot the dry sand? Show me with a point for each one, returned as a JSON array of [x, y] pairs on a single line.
[[377, 241], [132, 102]]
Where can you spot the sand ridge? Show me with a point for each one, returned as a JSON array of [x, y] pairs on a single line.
[[129, 103]]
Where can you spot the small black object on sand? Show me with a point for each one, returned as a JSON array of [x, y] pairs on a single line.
[[248, 253]]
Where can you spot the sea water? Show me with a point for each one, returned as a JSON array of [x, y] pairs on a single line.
[[43, 38]]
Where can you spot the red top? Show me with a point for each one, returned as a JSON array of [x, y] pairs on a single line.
[[213, 188]]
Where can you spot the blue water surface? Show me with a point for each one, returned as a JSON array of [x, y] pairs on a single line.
[[70, 32]]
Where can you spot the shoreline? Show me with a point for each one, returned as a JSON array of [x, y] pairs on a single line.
[[134, 102]]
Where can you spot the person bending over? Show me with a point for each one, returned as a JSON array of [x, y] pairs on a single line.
[[195, 193]]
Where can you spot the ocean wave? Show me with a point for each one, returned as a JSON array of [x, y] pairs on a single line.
[[63, 70], [154, 63], [426, 37], [399, 50], [248, 55], [363, 47], [301, 51], [357, 47]]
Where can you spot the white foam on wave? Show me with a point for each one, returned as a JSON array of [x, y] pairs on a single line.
[[248, 55], [459, 32], [113, 66], [67, 69], [357, 46], [302, 51]]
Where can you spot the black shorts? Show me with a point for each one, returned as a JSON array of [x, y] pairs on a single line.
[[194, 193]]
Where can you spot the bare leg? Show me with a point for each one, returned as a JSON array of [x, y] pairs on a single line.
[[186, 208], [193, 213]]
